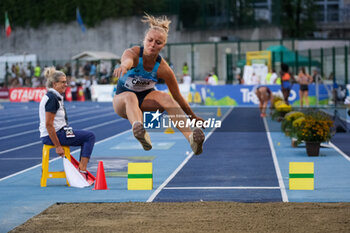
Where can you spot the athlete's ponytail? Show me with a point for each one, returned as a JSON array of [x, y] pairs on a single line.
[[161, 23]]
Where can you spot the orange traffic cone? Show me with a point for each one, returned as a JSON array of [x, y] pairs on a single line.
[[100, 183]]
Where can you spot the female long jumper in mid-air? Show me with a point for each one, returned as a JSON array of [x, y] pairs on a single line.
[[140, 69]]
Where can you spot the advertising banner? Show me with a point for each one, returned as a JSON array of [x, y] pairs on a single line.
[[244, 95], [222, 95], [26, 94], [4, 93]]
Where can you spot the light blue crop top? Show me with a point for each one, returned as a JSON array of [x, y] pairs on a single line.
[[137, 79]]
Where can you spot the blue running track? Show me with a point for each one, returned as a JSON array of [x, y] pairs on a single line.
[[246, 160]]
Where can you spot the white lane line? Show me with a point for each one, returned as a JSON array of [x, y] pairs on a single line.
[[106, 123], [34, 143], [340, 151], [20, 147], [19, 125], [275, 161], [26, 158], [19, 134], [219, 188], [36, 122], [71, 114], [172, 175], [37, 130], [72, 152]]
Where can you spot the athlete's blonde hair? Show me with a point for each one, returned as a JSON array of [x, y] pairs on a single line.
[[161, 23], [52, 75]]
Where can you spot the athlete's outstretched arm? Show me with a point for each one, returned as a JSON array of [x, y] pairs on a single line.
[[129, 59], [166, 73]]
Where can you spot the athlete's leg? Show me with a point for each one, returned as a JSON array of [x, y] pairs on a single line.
[[306, 95], [265, 102], [285, 92], [157, 99], [126, 105], [301, 97], [263, 96], [258, 94]]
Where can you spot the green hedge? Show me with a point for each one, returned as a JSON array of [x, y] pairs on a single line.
[[33, 13]]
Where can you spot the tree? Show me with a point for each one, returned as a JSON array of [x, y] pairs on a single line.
[[298, 18]]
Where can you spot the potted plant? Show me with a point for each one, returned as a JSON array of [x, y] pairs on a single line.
[[294, 133], [314, 129], [280, 110], [287, 123]]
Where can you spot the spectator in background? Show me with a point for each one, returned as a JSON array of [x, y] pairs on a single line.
[[207, 79], [15, 82], [186, 79], [255, 79], [80, 71], [286, 84], [264, 95], [240, 79], [185, 68], [103, 73], [13, 71], [68, 69], [86, 69], [93, 71], [31, 70], [17, 69], [37, 75], [268, 77], [274, 78], [24, 74], [74, 88], [213, 79], [37, 71], [87, 87], [304, 80], [36, 82], [42, 76], [331, 76]]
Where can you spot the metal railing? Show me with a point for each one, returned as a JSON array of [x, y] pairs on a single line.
[[223, 58]]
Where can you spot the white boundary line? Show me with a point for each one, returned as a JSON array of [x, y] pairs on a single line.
[[233, 187], [340, 151], [172, 175], [39, 165], [155, 193], [275, 161]]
